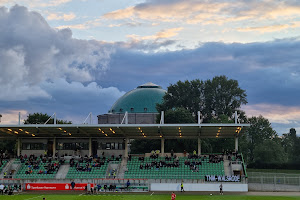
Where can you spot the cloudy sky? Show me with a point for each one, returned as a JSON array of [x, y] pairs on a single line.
[[73, 57]]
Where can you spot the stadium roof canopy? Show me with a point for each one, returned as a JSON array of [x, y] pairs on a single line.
[[147, 131]]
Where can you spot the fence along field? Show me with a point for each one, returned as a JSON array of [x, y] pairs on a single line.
[[262, 181]]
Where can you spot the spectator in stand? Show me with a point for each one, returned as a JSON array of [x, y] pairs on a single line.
[[157, 152], [98, 187], [1, 188], [194, 153]]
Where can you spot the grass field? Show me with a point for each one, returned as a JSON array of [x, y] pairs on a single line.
[[145, 197]]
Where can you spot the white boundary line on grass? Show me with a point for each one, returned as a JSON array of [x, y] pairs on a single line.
[[34, 197]]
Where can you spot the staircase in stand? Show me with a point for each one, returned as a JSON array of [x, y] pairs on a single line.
[[8, 167], [122, 169], [62, 172], [227, 167]]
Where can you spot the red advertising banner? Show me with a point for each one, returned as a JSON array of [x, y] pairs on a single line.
[[55, 186]]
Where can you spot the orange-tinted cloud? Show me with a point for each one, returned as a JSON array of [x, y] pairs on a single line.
[[12, 116], [274, 112], [208, 12], [61, 16], [159, 35]]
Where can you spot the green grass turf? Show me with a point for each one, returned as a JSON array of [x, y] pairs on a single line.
[[146, 197]]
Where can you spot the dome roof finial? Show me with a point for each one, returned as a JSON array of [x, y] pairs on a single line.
[[149, 85]]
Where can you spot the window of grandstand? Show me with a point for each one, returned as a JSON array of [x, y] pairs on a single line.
[[72, 146], [33, 146], [111, 145]]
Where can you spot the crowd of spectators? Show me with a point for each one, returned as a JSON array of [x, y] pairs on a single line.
[[86, 163], [193, 160], [160, 164], [35, 163], [9, 188]]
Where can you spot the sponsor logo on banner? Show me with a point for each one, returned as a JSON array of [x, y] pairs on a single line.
[[214, 178], [55, 186]]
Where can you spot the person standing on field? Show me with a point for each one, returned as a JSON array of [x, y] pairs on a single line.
[[72, 185], [181, 186], [173, 196], [221, 189]]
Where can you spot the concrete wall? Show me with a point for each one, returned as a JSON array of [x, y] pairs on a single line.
[[133, 118], [212, 187]]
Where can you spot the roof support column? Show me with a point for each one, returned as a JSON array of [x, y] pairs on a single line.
[[236, 144], [126, 148], [18, 147], [90, 146], [54, 147], [199, 146], [162, 146]]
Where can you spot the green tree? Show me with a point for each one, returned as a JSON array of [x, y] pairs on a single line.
[[213, 98], [41, 118], [269, 152], [260, 130], [222, 96], [291, 145], [187, 95], [177, 115]]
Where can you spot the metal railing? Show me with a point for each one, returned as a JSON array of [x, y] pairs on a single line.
[[244, 167]]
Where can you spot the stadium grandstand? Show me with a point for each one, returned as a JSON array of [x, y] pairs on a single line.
[[51, 156]]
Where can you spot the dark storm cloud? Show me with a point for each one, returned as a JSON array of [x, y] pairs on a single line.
[[269, 72]]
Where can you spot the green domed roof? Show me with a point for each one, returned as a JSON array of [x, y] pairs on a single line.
[[143, 99]]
